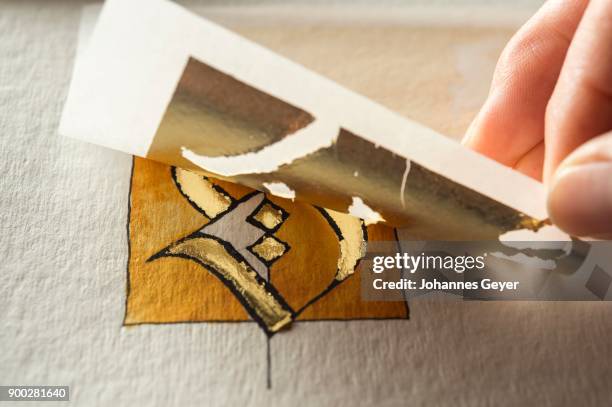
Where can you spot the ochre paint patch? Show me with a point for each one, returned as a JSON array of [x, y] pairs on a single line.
[[344, 301], [171, 289], [311, 263]]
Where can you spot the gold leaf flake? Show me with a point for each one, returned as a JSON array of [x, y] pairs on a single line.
[[269, 249], [269, 217], [242, 279]]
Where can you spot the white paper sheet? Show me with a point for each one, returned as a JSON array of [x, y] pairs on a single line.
[[63, 209], [139, 50]]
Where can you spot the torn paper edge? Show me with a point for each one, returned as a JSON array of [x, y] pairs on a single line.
[[317, 135], [141, 42], [280, 189], [359, 209]]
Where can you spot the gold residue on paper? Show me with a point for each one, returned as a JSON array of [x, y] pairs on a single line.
[[269, 216], [178, 288], [269, 249], [202, 193], [532, 224], [352, 244], [241, 276]]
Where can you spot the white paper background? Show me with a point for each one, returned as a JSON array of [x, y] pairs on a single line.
[[63, 208]]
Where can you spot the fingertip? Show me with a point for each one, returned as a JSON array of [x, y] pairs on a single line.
[[580, 200], [490, 133], [580, 190], [468, 137]]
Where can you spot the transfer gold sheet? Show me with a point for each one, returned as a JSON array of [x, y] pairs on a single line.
[[210, 101]]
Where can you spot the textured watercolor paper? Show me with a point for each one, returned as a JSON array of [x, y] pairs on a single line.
[[65, 249]]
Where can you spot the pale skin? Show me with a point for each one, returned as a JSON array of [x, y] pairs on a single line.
[[549, 111]]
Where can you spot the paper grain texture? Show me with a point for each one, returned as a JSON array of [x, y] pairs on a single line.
[[63, 211]]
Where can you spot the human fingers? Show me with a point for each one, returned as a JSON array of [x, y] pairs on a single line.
[[580, 197], [511, 122], [581, 105]]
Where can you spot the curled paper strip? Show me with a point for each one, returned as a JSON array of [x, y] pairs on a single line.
[[222, 127], [178, 89]]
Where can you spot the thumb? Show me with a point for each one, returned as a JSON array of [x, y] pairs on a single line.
[[580, 191]]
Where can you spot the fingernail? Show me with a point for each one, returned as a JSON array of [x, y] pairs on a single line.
[[580, 198], [469, 133]]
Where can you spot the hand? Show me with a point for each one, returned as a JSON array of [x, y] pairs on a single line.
[[549, 111]]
